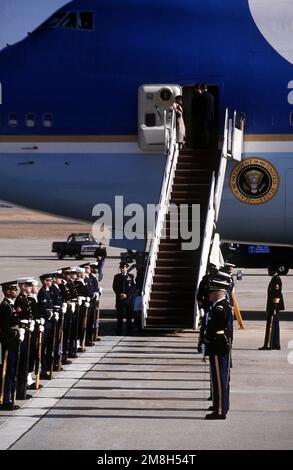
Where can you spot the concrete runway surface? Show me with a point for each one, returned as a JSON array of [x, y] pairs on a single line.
[[150, 392]]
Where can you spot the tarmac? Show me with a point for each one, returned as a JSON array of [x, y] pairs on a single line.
[[149, 392]]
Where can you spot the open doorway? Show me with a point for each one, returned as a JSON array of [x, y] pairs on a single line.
[[201, 115]]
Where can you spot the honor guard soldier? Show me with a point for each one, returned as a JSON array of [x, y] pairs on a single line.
[[203, 302], [93, 293], [66, 297], [9, 340], [47, 312], [35, 335], [275, 303], [218, 348], [59, 310], [123, 286], [94, 268], [26, 313]]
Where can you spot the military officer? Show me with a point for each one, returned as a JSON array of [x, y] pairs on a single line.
[[47, 312], [275, 303], [67, 295], [124, 286], [25, 310], [203, 301], [59, 315], [9, 340], [218, 348]]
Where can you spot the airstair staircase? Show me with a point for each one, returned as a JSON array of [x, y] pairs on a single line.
[[192, 177]]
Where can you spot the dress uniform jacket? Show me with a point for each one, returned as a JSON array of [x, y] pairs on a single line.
[[216, 339], [8, 319], [275, 297], [123, 284]]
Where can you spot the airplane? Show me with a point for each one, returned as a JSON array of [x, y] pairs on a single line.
[[69, 96]]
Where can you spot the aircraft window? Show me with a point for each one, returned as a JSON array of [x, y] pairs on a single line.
[[86, 20], [48, 120], [13, 120], [69, 21], [54, 20], [30, 120]]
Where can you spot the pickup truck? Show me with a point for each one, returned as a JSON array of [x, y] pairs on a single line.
[[77, 245]]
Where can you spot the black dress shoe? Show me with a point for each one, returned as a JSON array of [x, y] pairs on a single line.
[[211, 408], [9, 407], [210, 398], [33, 386], [98, 339], [66, 362], [56, 369], [264, 348], [45, 377], [215, 416], [28, 396]]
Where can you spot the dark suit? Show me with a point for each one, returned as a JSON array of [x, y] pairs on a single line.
[[218, 349], [275, 303], [207, 116], [46, 310], [25, 310], [9, 342], [124, 284], [203, 303]]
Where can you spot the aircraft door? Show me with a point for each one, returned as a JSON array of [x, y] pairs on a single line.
[[153, 101]]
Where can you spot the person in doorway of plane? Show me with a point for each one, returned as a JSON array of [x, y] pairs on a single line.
[[180, 126]]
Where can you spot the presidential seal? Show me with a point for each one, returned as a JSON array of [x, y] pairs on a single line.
[[254, 181]]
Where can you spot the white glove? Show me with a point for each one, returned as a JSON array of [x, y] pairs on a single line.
[[87, 304], [42, 321], [56, 314], [88, 299], [201, 312], [24, 322], [80, 299], [72, 307], [21, 332], [100, 290], [51, 314], [41, 329], [64, 307], [97, 295], [32, 325]]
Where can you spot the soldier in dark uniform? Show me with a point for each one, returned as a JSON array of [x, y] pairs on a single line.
[[202, 298], [94, 268], [218, 348], [9, 344], [25, 310], [57, 304], [275, 303], [33, 296], [66, 297], [124, 286], [47, 312], [207, 114]]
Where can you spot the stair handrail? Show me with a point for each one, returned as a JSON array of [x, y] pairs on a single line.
[[206, 246], [222, 168], [171, 162]]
